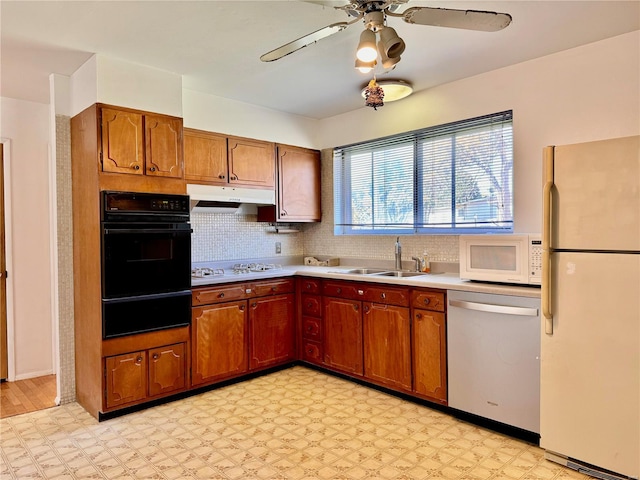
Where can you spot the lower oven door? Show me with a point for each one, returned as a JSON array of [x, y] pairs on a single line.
[[142, 259], [145, 313]]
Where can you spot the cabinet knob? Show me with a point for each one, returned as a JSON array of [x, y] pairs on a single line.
[[153, 169], [310, 328], [366, 309], [383, 295], [310, 351], [308, 286], [138, 360], [309, 306], [419, 316], [156, 356], [427, 301], [355, 307], [247, 291], [136, 167], [360, 292], [242, 308], [339, 290], [254, 305], [233, 177], [221, 295], [283, 214], [221, 177]]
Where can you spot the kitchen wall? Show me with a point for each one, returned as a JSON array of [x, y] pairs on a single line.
[[26, 125]]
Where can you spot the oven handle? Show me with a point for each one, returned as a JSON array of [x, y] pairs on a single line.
[[117, 231], [150, 296]]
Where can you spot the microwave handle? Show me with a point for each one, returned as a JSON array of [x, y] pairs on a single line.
[[546, 240]]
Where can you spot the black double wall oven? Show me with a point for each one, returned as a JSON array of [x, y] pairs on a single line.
[[146, 262]]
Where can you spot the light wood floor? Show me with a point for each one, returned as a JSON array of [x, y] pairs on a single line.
[[27, 395]]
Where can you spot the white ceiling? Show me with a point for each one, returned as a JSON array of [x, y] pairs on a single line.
[[216, 45]]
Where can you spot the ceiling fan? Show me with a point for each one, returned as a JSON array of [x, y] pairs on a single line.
[[375, 12]]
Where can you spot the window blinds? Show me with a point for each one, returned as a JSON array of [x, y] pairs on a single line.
[[453, 178]]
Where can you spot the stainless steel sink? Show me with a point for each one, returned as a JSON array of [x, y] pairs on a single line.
[[400, 274], [367, 271]]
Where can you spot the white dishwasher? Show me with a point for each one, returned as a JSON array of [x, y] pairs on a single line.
[[493, 344]]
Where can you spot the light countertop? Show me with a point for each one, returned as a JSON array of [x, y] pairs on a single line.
[[444, 281]]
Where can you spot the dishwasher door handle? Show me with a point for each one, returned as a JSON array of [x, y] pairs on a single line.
[[491, 308]]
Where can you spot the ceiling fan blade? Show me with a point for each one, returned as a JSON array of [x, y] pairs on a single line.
[[467, 19], [302, 42]]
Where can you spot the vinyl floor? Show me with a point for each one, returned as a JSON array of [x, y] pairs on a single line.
[[293, 424]]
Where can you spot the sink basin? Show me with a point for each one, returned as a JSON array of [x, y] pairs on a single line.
[[367, 271], [400, 274]]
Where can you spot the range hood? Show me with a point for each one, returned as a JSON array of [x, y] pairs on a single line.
[[208, 198]]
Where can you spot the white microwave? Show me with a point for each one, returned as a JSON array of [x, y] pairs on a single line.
[[512, 258]]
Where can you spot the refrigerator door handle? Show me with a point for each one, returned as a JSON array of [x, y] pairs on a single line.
[[546, 241]]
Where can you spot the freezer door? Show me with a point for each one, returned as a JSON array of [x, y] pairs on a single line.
[[596, 195], [590, 366]]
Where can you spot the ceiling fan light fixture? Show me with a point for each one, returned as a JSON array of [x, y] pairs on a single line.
[[365, 67], [367, 51], [393, 89], [392, 44], [386, 62]]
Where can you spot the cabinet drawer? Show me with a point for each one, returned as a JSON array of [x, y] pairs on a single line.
[[311, 305], [428, 299], [309, 285], [311, 328], [345, 290], [387, 295], [204, 296], [272, 287], [312, 352]]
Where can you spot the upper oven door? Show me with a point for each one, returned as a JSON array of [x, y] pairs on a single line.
[[141, 259]]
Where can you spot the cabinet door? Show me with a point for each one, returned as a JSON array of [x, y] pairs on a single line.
[[163, 141], [205, 157], [298, 185], [342, 334], [122, 142], [166, 369], [251, 162], [271, 331], [126, 377], [387, 344], [430, 355], [219, 342]]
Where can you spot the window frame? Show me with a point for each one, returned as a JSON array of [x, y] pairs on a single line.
[[342, 179]]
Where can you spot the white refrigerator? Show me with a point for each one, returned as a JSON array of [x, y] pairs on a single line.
[[590, 341]]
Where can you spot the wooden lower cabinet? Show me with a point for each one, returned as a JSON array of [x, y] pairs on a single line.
[[218, 342], [133, 377], [429, 355], [343, 334], [387, 344], [271, 331]]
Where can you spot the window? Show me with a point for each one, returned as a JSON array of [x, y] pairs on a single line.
[[450, 179]]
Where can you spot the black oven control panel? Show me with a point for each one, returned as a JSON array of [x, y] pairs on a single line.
[[121, 205]]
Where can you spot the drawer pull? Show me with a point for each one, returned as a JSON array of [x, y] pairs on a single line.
[[383, 295], [427, 301], [360, 292], [247, 291], [221, 295], [308, 286], [339, 290]]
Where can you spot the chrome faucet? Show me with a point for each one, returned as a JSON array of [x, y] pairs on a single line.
[[418, 263], [398, 254]]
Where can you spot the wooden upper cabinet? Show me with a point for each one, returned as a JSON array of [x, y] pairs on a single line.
[[251, 162], [205, 157], [140, 143], [122, 142], [298, 185], [163, 141]]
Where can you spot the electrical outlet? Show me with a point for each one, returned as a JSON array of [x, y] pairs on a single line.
[[278, 247]]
